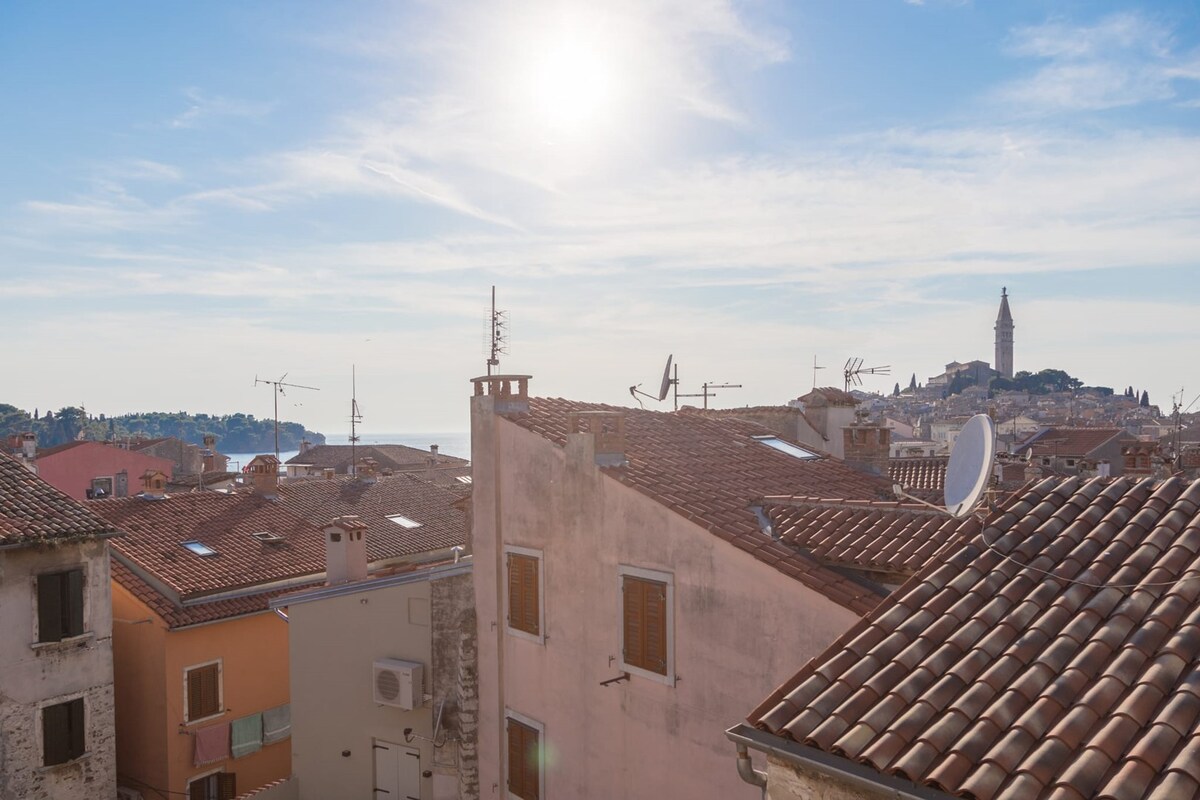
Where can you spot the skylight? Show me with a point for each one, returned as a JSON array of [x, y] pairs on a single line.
[[464, 479], [795, 451], [403, 521], [200, 549]]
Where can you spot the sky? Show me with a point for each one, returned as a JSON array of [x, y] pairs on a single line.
[[193, 195]]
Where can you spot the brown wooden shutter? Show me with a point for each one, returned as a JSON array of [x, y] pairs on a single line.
[[197, 790], [516, 750], [532, 765], [75, 728], [226, 785], [516, 601], [55, 734], [72, 603], [50, 611], [633, 605], [204, 696], [644, 609], [656, 627], [524, 610]]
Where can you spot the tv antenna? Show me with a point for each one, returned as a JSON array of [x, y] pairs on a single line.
[[969, 469], [815, 368], [497, 335], [279, 384], [663, 388], [705, 392], [355, 418], [854, 370]]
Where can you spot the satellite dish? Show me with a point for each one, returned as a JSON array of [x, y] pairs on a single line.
[[666, 381], [970, 465]]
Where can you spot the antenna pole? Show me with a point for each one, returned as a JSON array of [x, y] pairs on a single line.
[[495, 334], [815, 368], [278, 386], [355, 418], [675, 386]]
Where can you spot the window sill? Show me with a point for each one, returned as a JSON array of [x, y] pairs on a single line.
[[79, 759], [517, 633], [657, 677], [82, 640], [189, 723]]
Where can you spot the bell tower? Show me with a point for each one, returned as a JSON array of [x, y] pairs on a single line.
[[1004, 337]]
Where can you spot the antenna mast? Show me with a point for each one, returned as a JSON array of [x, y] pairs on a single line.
[[355, 418], [815, 368], [497, 334], [279, 384], [704, 391], [854, 370]]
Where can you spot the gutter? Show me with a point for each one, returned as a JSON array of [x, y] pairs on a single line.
[[856, 775]]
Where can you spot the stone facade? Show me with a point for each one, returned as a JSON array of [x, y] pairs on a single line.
[[789, 782]]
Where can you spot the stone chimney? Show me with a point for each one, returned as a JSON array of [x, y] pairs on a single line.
[[433, 450], [1104, 468], [29, 446], [264, 474], [367, 470], [607, 431], [305, 445], [328, 472], [867, 446], [154, 485], [505, 400], [345, 550]]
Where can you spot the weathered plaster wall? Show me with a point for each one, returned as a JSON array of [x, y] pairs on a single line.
[[789, 782], [34, 676], [740, 627]]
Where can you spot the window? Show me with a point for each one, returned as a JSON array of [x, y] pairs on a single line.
[[1070, 462], [200, 549], [60, 605], [217, 786], [62, 732], [403, 521], [203, 689], [646, 622], [793, 450], [524, 758], [525, 591], [102, 487]]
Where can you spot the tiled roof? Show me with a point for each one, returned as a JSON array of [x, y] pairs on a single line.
[[34, 512], [711, 471], [1054, 655], [921, 477], [157, 529], [442, 525], [883, 536], [44, 452], [387, 456], [832, 396], [1069, 442]]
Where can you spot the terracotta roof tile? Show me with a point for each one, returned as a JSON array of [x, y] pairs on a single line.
[[387, 456], [712, 471], [1070, 442], [1073, 686], [33, 512]]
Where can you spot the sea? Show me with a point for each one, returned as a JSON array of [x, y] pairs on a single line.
[[452, 443]]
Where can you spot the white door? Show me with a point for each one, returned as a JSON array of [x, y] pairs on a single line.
[[397, 772]]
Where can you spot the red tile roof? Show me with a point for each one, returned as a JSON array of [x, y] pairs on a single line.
[[712, 471], [883, 536], [1070, 442], [1054, 655], [921, 477], [44, 452], [387, 456], [442, 525], [33, 512], [832, 396]]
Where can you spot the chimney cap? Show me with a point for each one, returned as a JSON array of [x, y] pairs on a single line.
[[348, 522]]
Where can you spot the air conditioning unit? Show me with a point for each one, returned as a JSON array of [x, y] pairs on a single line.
[[399, 683], [125, 793]]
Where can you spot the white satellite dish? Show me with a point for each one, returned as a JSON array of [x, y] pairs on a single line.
[[666, 381], [970, 465]]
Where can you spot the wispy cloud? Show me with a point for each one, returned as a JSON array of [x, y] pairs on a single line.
[[204, 107], [1122, 60]]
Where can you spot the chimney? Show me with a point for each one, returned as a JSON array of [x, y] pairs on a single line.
[[433, 450], [264, 474], [866, 446], [1104, 469], [607, 431], [505, 400], [154, 485], [29, 446], [305, 445], [328, 472], [345, 550], [366, 470]]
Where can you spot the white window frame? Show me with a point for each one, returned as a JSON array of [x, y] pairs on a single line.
[[541, 729], [220, 662], [529, 552], [112, 484], [650, 575]]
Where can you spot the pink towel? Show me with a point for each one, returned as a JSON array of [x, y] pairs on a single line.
[[212, 744]]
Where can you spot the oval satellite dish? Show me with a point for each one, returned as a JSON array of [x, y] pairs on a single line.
[[666, 381], [970, 465]]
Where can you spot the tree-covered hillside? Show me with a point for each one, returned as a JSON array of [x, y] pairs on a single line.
[[236, 433]]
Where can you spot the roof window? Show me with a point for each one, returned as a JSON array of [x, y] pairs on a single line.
[[403, 521], [464, 479], [267, 537], [795, 451], [200, 549]]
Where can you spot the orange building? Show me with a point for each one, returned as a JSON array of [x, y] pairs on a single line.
[[200, 660]]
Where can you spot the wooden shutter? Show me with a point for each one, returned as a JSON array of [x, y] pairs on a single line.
[[644, 609], [226, 785], [197, 790], [75, 728], [50, 610], [56, 722], [524, 609], [524, 765], [204, 696], [72, 603]]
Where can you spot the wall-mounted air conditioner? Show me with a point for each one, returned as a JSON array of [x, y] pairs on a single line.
[[398, 683]]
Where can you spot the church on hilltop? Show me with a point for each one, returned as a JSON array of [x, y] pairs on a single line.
[[980, 372]]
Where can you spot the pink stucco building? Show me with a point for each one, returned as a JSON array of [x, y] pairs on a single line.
[[631, 593], [77, 467]]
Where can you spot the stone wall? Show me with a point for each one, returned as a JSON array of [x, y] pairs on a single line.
[[455, 681], [789, 782]]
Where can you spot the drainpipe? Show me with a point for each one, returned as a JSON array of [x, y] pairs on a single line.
[[747, 772]]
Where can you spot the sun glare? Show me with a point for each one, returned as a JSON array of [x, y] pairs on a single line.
[[571, 87]]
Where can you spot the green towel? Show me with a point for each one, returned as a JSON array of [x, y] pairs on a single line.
[[247, 735]]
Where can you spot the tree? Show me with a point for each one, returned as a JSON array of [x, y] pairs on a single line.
[[896, 391], [1145, 399], [912, 384]]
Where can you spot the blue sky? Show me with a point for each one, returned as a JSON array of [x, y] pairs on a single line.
[[194, 194]]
